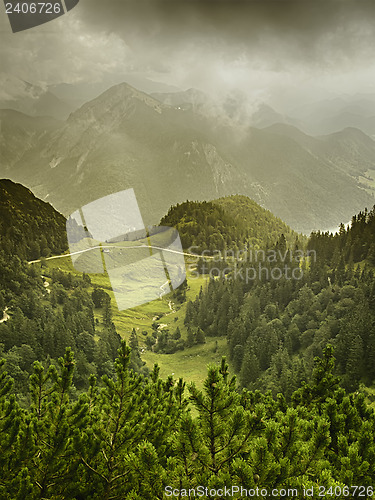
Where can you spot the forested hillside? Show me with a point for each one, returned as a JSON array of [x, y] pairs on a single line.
[[232, 223], [350, 245], [44, 311], [29, 227], [76, 423], [275, 327]]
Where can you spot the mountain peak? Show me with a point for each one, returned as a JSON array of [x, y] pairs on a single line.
[[125, 91], [119, 100], [122, 88]]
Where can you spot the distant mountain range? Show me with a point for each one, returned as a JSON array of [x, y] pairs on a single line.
[[234, 109], [174, 150], [332, 115], [323, 117], [59, 100], [31, 99]]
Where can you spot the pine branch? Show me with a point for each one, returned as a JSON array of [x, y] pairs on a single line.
[[93, 470]]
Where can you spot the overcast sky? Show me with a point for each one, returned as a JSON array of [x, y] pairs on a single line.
[[265, 48]]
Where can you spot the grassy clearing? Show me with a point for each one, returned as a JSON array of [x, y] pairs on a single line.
[[140, 317], [168, 313], [191, 364]]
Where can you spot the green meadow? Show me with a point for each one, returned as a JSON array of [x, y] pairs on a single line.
[[191, 364]]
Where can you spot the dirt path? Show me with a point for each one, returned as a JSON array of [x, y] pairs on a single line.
[[5, 316], [126, 248], [170, 305], [46, 284]]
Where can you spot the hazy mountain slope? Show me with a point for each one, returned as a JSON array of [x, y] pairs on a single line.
[[124, 139], [347, 119], [188, 99], [82, 92], [235, 108], [266, 116], [332, 115], [20, 133], [31, 99], [127, 139], [350, 149], [296, 184]]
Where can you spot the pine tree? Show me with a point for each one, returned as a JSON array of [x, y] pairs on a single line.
[[250, 369], [136, 362], [354, 365], [190, 341], [324, 382], [10, 436], [238, 354], [133, 344], [107, 313], [134, 436], [200, 337], [208, 446], [99, 297], [120, 446], [54, 421]]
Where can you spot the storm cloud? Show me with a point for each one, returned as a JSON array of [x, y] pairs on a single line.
[[302, 29], [262, 47]]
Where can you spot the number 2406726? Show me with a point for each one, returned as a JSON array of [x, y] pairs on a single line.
[[33, 8]]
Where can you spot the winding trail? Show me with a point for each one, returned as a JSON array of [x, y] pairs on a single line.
[[124, 248], [170, 305], [5, 316]]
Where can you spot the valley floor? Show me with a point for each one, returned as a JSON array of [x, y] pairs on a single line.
[[191, 363]]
